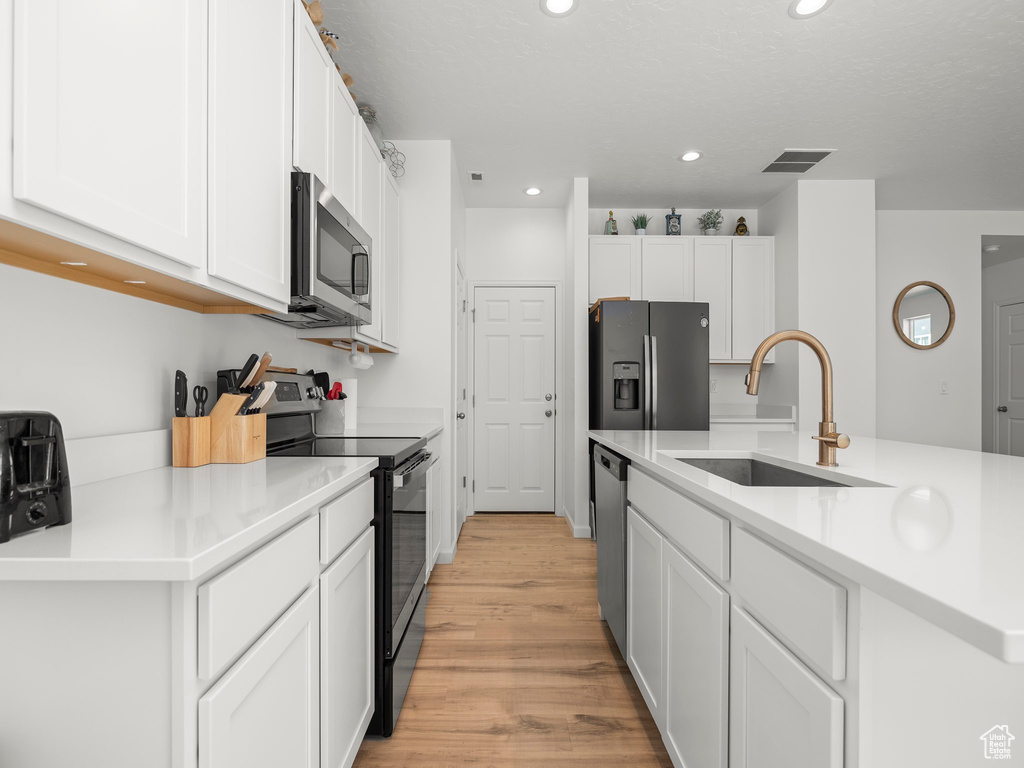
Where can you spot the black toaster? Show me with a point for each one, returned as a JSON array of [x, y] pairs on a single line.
[[35, 490]]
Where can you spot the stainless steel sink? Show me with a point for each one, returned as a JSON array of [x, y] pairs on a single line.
[[760, 473]]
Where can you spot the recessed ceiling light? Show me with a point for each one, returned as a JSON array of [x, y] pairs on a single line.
[[135, 282], [558, 7], [533, 191], [689, 157], [74, 264], [991, 248], [804, 9]]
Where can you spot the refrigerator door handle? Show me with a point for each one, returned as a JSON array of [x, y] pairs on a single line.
[[647, 381], [654, 382]]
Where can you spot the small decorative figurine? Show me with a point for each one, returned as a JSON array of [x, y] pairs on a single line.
[[741, 228], [672, 225], [610, 227]]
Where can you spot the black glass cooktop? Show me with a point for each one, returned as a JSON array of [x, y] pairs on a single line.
[[390, 451]]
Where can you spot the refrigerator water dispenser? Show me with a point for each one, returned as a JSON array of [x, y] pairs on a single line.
[[627, 386]]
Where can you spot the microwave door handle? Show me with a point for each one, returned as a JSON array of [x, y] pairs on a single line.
[[362, 257]]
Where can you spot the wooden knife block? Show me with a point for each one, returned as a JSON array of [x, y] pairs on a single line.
[[236, 439], [190, 441]]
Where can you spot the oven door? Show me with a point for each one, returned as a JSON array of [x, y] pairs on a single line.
[[408, 542]]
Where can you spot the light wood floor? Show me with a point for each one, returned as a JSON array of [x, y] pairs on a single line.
[[516, 668]]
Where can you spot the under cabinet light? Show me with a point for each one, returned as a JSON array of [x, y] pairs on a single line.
[[74, 264]]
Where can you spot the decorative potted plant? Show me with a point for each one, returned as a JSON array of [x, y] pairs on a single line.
[[710, 222], [640, 222]]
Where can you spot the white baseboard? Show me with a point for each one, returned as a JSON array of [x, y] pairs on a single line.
[[445, 557], [578, 531]]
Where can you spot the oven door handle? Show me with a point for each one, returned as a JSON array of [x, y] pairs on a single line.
[[417, 467]]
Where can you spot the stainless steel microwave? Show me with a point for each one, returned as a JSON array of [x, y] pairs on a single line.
[[330, 261]]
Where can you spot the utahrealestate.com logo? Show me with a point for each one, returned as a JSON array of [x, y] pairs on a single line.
[[997, 741]]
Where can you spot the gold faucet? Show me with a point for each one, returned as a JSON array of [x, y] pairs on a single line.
[[827, 437]]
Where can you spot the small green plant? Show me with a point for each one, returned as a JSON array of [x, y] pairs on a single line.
[[710, 220], [641, 220]]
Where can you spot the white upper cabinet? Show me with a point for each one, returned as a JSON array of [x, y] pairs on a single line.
[[314, 74], [110, 118], [614, 267], [344, 175], [250, 147], [753, 295], [780, 713], [712, 282], [371, 168], [392, 260], [667, 268]]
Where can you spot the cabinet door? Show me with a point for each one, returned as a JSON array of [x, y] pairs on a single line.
[[250, 146], [712, 282], [346, 653], [753, 295], [666, 268], [434, 511], [614, 267], [314, 72], [264, 712], [779, 712], [392, 261], [644, 633], [372, 203], [696, 664], [344, 133], [110, 118]]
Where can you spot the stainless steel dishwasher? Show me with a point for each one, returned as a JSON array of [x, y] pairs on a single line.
[[610, 514]]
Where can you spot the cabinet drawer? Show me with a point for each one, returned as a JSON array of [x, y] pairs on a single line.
[[691, 527], [801, 606], [343, 519], [238, 605]]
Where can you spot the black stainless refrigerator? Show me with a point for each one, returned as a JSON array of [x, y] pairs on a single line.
[[649, 365]]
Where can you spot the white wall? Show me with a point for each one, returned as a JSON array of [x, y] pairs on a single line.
[[104, 362], [597, 217], [422, 375], [944, 247], [837, 299], [510, 244], [1000, 284]]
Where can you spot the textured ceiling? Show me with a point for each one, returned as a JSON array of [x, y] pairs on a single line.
[[926, 96]]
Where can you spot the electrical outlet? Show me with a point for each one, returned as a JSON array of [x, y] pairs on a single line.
[[714, 385], [943, 386]]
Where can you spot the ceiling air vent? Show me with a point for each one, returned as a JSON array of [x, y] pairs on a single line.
[[476, 176], [797, 160]]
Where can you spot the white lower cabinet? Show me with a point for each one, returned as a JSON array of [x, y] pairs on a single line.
[[264, 713], [346, 653], [644, 611], [696, 617], [780, 713]]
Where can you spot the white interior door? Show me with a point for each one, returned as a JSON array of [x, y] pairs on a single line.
[[461, 401], [514, 375], [1010, 423]]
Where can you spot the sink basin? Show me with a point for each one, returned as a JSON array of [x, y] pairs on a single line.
[[760, 473]]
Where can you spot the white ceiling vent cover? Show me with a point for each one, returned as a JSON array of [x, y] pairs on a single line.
[[797, 160]]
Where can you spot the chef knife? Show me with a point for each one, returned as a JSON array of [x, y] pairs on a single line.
[[268, 391], [246, 374], [180, 393], [262, 369], [250, 402]]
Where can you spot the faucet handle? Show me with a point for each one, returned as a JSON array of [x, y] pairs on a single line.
[[836, 439]]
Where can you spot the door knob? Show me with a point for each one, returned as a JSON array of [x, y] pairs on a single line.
[[1002, 409], [462, 415], [548, 414], [547, 397]]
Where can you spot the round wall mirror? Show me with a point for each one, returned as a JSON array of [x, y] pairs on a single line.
[[923, 315]]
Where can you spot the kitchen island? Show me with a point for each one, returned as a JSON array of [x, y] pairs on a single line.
[[892, 606]]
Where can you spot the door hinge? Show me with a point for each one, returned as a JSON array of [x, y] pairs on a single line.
[[474, 401], [473, 313], [463, 481], [463, 306], [474, 486], [463, 393]]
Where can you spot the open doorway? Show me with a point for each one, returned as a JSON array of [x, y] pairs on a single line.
[[1002, 264]]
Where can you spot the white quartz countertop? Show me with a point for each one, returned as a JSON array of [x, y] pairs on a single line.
[[945, 540], [176, 524]]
